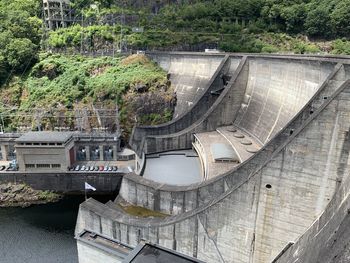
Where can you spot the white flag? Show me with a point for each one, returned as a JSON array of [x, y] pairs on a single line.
[[87, 187]]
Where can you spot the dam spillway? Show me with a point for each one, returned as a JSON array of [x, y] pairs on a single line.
[[295, 109]]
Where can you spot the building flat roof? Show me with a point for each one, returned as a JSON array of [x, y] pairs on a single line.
[[45, 137], [146, 252], [111, 246]]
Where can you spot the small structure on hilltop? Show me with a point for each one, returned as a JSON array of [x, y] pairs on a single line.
[[57, 14]]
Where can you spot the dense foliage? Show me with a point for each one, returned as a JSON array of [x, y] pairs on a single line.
[[321, 18], [20, 35], [141, 89], [61, 84], [236, 26]]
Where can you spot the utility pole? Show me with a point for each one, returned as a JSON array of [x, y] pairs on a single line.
[[117, 123], [38, 117], [2, 126], [82, 33], [113, 33], [123, 43], [45, 29]]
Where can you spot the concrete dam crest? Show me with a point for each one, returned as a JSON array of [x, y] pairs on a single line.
[[283, 187]]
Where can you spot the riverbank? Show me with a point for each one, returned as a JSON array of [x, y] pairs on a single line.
[[22, 195]]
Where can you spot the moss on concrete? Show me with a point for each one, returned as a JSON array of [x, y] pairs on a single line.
[[141, 211]]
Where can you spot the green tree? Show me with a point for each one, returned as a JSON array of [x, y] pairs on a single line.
[[20, 34], [340, 18], [20, 53], [318, 22]]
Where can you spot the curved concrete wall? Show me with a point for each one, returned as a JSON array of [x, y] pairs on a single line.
[[201, 102], [276, 90], [255, 91], [189, 76], [175, 200], [247, 221], [222, 112], [328, 239]]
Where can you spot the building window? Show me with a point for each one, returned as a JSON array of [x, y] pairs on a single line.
[[11, 155], [107, 153], [42, 165], [94, 153], [56, 165], [30, 165], [81, 153]]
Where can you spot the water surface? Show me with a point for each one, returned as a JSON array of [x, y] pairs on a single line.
[[39, 234]]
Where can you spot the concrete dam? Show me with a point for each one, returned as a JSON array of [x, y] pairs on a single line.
[[277, 190]]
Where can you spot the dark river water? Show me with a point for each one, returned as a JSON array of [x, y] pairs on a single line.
[[38, 234]]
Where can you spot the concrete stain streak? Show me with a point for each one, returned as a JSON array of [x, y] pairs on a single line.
[[211, 240], [326, 174]]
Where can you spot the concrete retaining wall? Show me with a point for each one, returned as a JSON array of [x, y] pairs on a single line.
[[276, 90], [328, 239], [172, 197], [189, 76], [248, 221], [222, 112], [66, 182], [269, 91], [201, 102]]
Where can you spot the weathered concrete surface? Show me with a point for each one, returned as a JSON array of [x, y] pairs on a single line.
[[189, 76], [269, 91], [211, 168], [276, 90], [221, 113], [175, 198], [200, 103], [250, 214], [328, 239]]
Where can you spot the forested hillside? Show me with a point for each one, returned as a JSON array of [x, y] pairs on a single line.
[[297, 26], [20, 35], [31, 76], [60, 90]]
